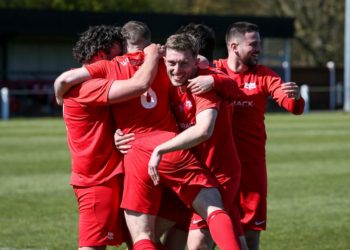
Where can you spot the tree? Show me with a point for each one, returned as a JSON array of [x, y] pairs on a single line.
[[319, 24], [319, 28]]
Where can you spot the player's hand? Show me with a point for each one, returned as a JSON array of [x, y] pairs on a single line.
[[59, 97], [201, 84], [291, 89], [121, 141], [162, 50], [203, 62], [59, 100], [153, 164], [153, 50]]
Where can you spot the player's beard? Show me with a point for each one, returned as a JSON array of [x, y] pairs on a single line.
[[250, 61]]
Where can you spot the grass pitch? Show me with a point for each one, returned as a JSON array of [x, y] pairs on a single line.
[[309, 184]]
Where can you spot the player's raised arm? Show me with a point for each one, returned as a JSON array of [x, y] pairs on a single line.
[[67, 80], [122, 90], [191, 137]]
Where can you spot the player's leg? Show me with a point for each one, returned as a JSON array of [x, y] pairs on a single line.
[[162, 226], [141, 228], [253, 201], [175, 239], [141, 198], [172, 221], [99, 221], [236, 220], [196, 188], [208, 204], [253, 239], [200, 239], [199, 235]]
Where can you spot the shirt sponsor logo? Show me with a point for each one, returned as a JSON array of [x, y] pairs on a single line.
[[244, 103], [250, 85]]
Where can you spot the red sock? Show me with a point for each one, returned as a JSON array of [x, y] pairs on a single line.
[[144, 245], [221, 229]]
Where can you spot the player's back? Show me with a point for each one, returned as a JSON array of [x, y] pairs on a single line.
[[90, 134], [150, 111]]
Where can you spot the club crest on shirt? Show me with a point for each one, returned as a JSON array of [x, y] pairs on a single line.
[[188, 104], [250, 85], [184, 106]]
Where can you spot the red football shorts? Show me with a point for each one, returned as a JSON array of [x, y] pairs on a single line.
[[253, 195], [101, 221], [173, 209], [178, 170], [229, 192]]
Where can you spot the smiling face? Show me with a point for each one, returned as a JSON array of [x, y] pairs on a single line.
[[181, 66], [247, 48]]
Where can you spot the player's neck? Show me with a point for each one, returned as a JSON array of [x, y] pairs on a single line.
[[235, 65], [135, 48]]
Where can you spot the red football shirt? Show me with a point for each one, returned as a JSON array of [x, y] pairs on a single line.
[[219, 151], [250, 98], [90, 132], [146, 113]]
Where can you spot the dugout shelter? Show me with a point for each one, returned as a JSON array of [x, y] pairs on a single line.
[[36, 45]]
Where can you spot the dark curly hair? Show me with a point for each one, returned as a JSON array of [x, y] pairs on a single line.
[[205, 37], [96, 38]]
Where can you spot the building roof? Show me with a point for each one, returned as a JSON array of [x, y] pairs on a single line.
[[70, 23]]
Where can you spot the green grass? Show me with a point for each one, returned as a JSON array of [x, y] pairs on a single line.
[[309, 179], [309, 184]]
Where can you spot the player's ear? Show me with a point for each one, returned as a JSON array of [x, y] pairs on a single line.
[[202, 62], [233, 46]]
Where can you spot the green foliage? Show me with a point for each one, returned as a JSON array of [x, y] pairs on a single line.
[[319, 24], [82, 5], [308, 168]]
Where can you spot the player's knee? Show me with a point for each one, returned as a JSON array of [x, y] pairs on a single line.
[[141, 226], [199, 239], [206, 200], [200, 245]]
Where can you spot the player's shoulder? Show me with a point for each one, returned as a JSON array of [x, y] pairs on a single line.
[[209, 71], [220, 63], [262, 68], [130, 59]]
